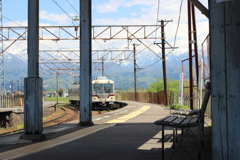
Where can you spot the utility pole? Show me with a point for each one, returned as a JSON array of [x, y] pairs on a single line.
[[164, 58], [135, 70], [164, 64]]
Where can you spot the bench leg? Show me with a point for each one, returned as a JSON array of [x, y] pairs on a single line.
[[199, 142], [162, 142], [202, 135], [174, 137]]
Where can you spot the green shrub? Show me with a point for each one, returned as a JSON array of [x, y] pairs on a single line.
[[178, 106]]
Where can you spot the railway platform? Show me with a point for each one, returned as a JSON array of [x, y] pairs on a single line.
[[127, 133]]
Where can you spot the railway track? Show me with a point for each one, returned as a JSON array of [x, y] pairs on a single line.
[[55, 121]]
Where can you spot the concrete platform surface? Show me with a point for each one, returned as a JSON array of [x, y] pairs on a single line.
[[124, 134]]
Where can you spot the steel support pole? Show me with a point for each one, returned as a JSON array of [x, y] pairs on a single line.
[[57, 85], [85, 63], [190, 54], [135, 71], [164, 64], [195, 44], [33, 113]]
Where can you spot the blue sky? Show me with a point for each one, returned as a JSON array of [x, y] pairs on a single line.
[[107, 12]]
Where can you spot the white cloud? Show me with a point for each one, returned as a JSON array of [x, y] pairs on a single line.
[[61, 19], [149, 16], [111, 6], [15, 23]]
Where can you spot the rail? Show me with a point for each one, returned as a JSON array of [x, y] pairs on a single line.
[[56, 121]]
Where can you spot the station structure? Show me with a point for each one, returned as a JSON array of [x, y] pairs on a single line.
[[225, 72]]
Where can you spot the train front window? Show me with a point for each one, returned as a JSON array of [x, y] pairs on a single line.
[[98, 88], [102, 88], [108, 88]]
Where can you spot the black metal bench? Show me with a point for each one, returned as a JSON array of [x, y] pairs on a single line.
[[194, 118]]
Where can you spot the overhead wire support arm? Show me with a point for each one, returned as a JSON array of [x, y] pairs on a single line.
[[71, 33], [145, 45]]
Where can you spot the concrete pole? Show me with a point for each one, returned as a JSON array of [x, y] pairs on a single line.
[[181, 88], [86, 63], [33, 113]]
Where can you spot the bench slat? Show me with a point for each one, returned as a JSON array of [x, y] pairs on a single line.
[[194, 121], [177, 121], [185, 122], [168, 120], [158, 122]]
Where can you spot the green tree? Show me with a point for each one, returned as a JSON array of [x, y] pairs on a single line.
[[156, 86], [60, 92], [173, 85]]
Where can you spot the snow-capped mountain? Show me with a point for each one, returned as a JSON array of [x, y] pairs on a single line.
[[148, 66]]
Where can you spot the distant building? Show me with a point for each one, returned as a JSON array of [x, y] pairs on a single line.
[[18, 92], [44, 92], [65, 94]]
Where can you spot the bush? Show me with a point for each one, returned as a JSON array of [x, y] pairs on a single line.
[[178, 106]]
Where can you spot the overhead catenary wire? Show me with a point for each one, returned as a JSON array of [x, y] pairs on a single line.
[[12, 21], [141, 69], [72, 7], [175, 38], [63, 10], [179, 19], [157, 19], [21, 26]]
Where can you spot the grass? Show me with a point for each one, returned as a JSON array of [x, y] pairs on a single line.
[[11, 128], [178, 106], [60, 99]]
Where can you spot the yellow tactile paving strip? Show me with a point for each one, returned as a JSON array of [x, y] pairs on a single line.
[[129, 116], [37, 147]]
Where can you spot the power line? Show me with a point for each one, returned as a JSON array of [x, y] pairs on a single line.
[[179, 18], [22, 26], [157, 19], [121, 75], [143, 50], [72, 7], [141, 69], [63, 10], [150, 65], [12, 21]]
